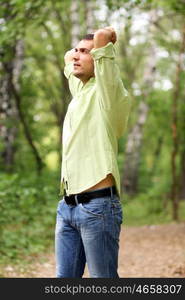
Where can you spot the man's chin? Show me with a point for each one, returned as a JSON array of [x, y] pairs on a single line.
[[77, 74]]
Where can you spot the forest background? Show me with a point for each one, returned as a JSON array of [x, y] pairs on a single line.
[[34, 95]]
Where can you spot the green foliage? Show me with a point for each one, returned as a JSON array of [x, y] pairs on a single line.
[[148, 209], [28, 208]]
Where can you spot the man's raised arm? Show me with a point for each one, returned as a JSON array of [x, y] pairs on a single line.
[[113, 96], [107, 73]]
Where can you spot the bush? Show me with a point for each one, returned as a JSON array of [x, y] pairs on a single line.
[[28, 207]]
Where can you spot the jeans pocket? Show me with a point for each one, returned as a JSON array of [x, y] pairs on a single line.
[[116, 209], [59, 206], [95, 207], [116, 205]]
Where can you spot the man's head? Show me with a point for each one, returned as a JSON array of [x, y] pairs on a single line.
[[82, 59]]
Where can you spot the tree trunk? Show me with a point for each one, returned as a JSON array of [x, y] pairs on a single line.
[[8, 114], [75, 28], [132, 152], [13, 69], [89, 21], [181, 180], [134, 140], [129, 182], [174, 126]]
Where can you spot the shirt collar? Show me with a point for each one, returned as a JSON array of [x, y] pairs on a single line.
[[89, 82]]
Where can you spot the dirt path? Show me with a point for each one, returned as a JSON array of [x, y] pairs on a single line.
[[146, 251]]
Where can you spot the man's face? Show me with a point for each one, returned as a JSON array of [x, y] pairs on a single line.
[[83, 64]]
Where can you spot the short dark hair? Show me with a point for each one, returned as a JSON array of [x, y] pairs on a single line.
[[89, 37]]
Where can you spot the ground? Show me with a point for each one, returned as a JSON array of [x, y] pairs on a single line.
[[145, 251]]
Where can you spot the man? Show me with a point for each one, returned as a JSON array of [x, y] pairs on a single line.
[[89, 216]]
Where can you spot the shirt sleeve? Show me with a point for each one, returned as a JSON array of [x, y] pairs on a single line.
[[113, 96], [74, 82]]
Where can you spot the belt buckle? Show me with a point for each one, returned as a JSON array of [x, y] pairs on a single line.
[[80, 198]]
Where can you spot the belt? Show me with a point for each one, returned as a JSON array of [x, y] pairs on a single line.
[[85, 197]]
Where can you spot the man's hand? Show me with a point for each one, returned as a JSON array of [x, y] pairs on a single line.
[[112, 34], [68, 56], [103, 36]]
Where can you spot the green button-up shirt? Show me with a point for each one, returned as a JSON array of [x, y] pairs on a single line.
[[96, 117]]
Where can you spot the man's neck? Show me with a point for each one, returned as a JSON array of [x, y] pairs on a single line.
[[85, 81]]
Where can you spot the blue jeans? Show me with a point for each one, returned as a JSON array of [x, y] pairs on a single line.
[[88, 233]]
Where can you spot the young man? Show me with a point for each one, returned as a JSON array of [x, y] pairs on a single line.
[[89, 216]]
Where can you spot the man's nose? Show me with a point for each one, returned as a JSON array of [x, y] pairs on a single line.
[[76, 55]]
